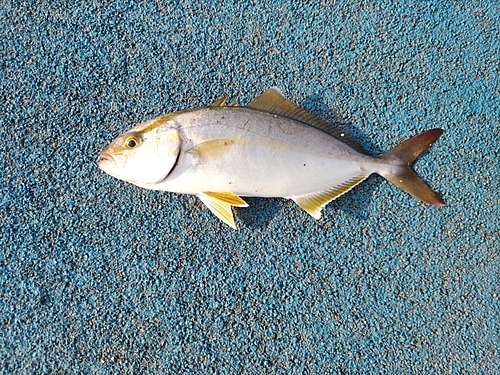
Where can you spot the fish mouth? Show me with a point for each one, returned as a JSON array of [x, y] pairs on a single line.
[[106, 159]]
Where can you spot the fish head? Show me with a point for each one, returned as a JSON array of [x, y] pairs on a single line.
[[144, 155]]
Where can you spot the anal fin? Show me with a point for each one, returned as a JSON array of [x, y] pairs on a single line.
[[220, 204], [313, 203]]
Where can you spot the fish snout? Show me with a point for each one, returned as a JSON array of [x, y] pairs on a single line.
[[110, 159], [106, 159]]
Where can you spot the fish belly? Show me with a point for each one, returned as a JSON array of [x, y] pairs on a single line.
[[267, 156]]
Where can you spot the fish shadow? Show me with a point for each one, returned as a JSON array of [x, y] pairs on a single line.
[[259, 213], [315, 105], [262, 211]]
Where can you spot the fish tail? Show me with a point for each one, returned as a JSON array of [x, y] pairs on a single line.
[[403, 176]]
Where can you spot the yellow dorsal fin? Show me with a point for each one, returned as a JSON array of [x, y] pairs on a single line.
[[211, 150], [220, 102], [220, 204], [273, 101], [313, 203]]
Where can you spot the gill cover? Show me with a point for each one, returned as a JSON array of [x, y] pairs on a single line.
[[157, 155]]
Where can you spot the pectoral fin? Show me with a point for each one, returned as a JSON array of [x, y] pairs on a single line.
[[211, 150], [313, 203], [220, 204]]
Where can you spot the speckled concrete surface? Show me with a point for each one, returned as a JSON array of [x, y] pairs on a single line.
[[99, 276]]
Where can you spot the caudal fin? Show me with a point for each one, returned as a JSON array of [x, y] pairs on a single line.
[[403, 156]]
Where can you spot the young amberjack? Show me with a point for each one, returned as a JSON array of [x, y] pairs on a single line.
[[269, 148]]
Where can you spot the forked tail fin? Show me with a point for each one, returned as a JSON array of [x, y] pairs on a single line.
[[403, 176]]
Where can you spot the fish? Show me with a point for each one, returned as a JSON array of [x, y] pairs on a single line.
[[268, 148]]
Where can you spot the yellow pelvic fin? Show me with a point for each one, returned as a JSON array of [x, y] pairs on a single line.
[[220, 204], [227, 197], [313, 203], [273, 101], [211, 150]]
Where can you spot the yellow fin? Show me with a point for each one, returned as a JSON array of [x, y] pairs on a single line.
[[220, 204], [313, 203], [211, 150], [273, 101], [227, 197], [220, 102]]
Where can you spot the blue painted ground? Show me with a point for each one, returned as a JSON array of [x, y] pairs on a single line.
[[99, 276]]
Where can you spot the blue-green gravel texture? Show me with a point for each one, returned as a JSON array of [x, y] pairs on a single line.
[[98, 276]]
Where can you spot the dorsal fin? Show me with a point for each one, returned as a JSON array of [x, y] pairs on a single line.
[[273, 101], [222, 102]]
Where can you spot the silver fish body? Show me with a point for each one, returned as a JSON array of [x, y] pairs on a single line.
[[270, 148], [259, 154]]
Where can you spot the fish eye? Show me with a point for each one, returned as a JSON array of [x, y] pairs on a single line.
[[131, 142]]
